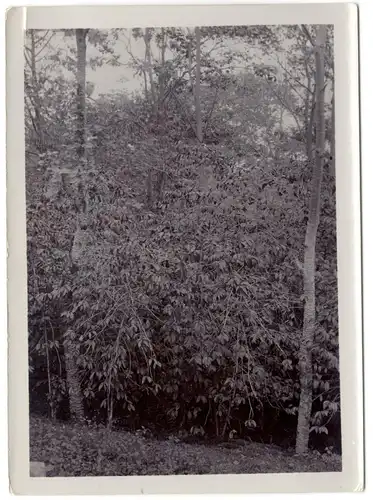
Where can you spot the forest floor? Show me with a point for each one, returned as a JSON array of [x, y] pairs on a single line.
[[76, 450]]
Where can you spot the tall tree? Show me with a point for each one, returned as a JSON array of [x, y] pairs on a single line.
[[71, 345], [162, 69], [309, 318], [81, 47], [197, 87], [309, 114], [149, 65], [332, 138]]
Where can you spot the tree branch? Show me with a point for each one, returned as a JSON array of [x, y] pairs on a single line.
[[185, 114], [287, 106], [212, 109], [293, 78], [44, 46], [307, 33]]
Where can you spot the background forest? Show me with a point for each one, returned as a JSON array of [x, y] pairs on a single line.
[[182, 275]]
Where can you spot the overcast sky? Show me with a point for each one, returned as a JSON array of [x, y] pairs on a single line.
[[115, 78], [108, 78]]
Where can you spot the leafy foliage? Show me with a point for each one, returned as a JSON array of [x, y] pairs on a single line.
[[188, 309]]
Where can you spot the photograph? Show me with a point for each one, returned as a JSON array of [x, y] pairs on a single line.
[[183, 289], [181, 250]]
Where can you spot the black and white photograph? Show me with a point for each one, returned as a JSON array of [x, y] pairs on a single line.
[[182, 278]]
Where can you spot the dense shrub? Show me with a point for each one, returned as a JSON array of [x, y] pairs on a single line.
[[193, 303], [187, 304]]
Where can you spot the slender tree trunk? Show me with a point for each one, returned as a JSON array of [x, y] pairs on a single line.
[[73, 380], [332, 138], [71, 345], [51, 401], [145, 85], [81, 150], [309, 112], [285, 100], [160, 176], [309, 318], [148, 64], [148, 60], [281, 119], [38, 122], [162, 74], [81, 45], [145, 75], [35, 87], [310, 124], [309, 96], [190, 60], [307, 106], [197, 91]]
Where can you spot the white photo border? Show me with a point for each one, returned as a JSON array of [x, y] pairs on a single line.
[[344, 17]]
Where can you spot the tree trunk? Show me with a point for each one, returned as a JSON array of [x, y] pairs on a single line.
[[197, 88], [285, 100], [37, 104], [71, 346], [309, 318], [73, 381], [148, 60], [52, 412], [309, 111], [34, 97], [310, 124], [145, 75], [145, 85], [162, 74], [307, 104], [190, 57], [149, 71], [332, 138], [81, 45]]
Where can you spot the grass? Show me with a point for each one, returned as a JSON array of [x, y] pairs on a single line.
[[74, 450]]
